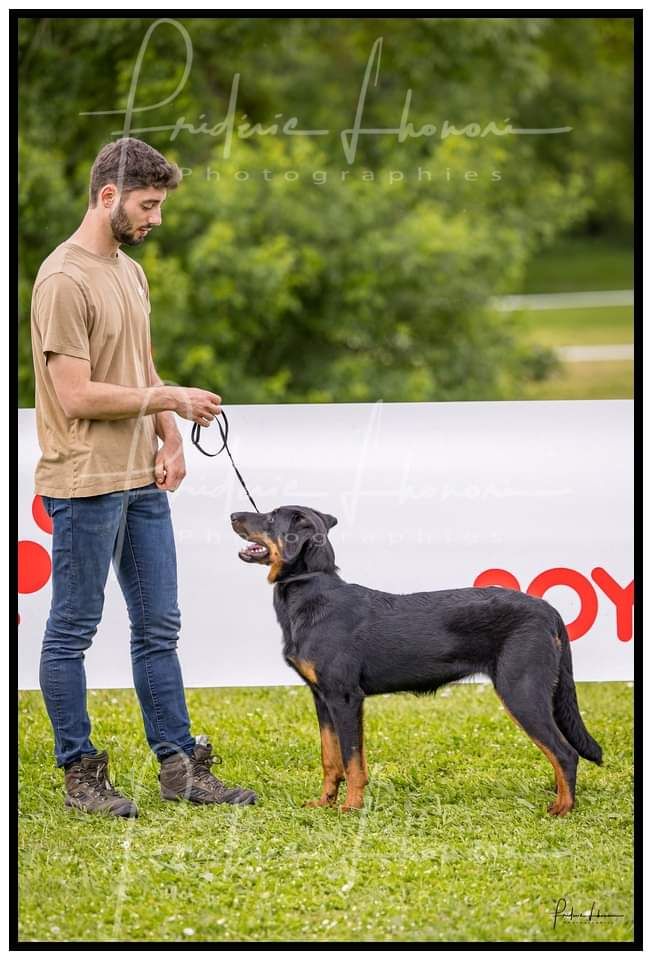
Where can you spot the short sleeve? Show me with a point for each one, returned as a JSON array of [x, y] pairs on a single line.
[[61, 316], [143, 280]]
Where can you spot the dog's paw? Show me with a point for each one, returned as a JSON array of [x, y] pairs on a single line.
[[321, 802], [558, 809]]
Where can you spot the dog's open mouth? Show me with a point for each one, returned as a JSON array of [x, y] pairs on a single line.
[[254, 552]]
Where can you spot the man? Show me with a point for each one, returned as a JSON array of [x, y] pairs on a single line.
[[104, 481]]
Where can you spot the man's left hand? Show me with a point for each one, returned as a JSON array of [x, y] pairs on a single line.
[[170, 466]]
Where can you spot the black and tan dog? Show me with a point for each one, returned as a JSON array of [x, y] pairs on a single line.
[[348, 641]]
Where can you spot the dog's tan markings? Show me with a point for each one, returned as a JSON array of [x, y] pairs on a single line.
[[356, 780], [306, 669], [331, 760], [557, 641], [564, 801], [275, 559]]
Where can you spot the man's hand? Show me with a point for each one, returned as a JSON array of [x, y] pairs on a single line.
[[198, 405], [169, 465]]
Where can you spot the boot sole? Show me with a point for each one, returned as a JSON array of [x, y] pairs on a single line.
[[129, 814], [170, 795]]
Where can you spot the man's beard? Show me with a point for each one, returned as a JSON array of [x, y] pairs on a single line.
[[122, 228]]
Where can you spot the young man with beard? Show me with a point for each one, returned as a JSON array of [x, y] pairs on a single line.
[[104, 481]]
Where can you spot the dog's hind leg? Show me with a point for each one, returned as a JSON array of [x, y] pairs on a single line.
[[529, 703], [346, 711], [331, 755]]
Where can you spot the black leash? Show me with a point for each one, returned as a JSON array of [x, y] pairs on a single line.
[[224, 433]]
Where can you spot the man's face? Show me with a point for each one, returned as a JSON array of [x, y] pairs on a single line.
[[135, 213]]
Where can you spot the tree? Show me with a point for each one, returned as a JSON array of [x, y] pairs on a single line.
[[285, 273]]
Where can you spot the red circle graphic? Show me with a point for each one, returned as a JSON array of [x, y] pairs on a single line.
[[41, 518], [34, 566]]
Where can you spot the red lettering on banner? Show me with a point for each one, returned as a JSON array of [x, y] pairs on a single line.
[[565, 577], [621, 597], [497, 578]]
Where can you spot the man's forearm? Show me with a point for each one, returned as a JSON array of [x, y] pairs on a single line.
[[165, 421], [109, 401], [166, 426]]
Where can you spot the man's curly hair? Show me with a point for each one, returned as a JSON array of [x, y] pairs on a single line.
[[131, 165]]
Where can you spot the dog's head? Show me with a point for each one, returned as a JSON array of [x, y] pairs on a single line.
[[289, 540]]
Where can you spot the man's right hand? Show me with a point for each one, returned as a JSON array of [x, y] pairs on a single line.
[[198, 405]]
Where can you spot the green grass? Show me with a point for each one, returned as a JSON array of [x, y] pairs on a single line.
[[580, 326], [581, 263], [599, 380], [453, 843], [584, 380]]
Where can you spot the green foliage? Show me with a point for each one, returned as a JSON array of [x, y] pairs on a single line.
[[370, 280], [453, 843]]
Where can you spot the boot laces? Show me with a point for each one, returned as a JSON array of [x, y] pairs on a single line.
[[98, 781], [202, 769]]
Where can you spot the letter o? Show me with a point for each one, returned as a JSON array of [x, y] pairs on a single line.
[[495, 577], [565, 577]]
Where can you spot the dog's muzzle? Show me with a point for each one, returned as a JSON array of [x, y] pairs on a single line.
[[255, 551]]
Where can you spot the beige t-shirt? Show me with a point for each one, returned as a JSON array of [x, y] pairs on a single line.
[[95, 308]]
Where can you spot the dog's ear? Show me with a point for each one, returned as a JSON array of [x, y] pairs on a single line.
[[329, 520], [301, 521]]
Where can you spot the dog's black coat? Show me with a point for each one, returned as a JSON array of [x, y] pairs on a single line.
[[348, 641]]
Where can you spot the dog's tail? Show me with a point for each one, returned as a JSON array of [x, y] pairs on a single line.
[[565, 709]]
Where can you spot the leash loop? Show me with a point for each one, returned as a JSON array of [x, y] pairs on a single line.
[[224, 433]]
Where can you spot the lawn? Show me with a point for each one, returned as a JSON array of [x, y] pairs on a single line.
[[453, 844], [581, 263], [586, 380], [579, 326], [583, 380]]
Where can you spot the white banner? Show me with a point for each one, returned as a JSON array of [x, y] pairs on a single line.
[[537, 495]]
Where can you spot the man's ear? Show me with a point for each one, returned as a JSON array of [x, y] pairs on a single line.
[[329, 520], [108, 194]]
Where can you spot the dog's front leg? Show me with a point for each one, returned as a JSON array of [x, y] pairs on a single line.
[[331, 756], [346, 711]]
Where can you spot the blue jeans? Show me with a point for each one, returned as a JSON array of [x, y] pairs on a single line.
[[133, 529]]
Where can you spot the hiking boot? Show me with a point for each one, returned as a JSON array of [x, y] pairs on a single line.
[[88, 788], [188, 777]]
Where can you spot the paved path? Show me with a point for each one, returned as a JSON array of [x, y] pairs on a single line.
[[570, 301], [606, 351], [564, 301]]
